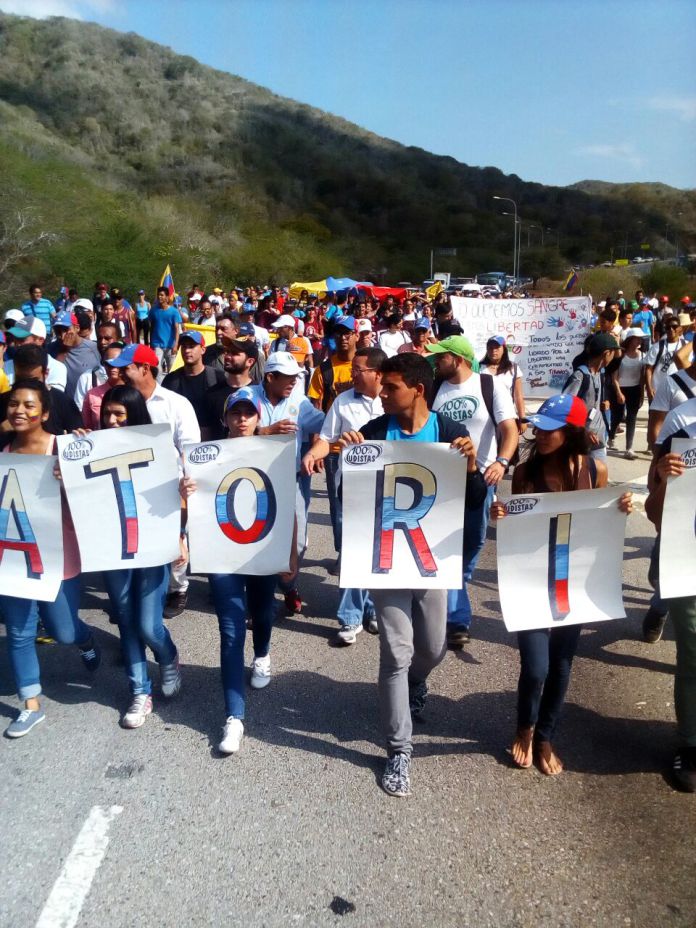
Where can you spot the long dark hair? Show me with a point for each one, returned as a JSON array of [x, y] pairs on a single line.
[[575, 446], [132, 402], [504, 365]]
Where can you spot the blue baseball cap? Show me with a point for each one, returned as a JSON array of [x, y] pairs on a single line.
[[558, 411], [193, 335], [423, 323], [344, 322], [65, 319], [243, 395], [498, 339], [247, 329]]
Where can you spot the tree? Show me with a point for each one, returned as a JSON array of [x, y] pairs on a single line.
[[21, 237]]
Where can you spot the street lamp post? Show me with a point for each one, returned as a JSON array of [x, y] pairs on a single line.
[[515, 234]]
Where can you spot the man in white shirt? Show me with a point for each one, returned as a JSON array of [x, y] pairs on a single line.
[[485, 406], [394, 337], [140, 367], [659, 363], [673, 390], [348, 413]]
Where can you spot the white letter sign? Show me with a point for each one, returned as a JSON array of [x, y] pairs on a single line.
[[678, 531], [403, 516], [123, 489], [241, 517], [31, 529], [559, 559]]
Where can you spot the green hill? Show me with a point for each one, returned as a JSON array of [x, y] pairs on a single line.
[[128, 156]]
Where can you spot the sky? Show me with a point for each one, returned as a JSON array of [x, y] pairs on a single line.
[[552, 90]]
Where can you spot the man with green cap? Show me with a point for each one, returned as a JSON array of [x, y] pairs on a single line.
[[485, 406]]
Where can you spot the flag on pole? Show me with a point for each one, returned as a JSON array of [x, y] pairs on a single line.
[[432, 291], [168, 281], [571, 281]]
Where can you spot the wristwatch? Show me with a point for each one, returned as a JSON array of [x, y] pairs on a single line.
[[504, 461]]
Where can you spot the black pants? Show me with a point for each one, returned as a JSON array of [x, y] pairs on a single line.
[[142, 327], [629, 409]]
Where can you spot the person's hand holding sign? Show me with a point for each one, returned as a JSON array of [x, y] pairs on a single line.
[[466, 447]]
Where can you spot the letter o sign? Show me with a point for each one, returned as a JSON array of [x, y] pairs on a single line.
[[225, 506]]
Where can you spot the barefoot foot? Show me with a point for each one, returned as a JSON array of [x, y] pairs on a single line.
[[548, 762], [521, 749]]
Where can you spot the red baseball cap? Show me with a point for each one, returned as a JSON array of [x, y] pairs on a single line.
[[135, 354]]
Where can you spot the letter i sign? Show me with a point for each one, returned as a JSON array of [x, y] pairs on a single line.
[[559, 565]]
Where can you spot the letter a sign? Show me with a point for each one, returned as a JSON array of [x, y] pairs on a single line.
[[403, 516]]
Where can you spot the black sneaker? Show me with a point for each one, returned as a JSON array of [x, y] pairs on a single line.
[[653, 626], [457, 637], [91, 655], [684, 770], [175, 605], [396, 779], [417, 693]]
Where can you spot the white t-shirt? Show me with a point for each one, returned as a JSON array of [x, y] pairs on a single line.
[[348, 413], [390, 342], [666, 366], [669, 394], [630, 370], [167, 406], [463, 402], [680, 422], [509, 377]]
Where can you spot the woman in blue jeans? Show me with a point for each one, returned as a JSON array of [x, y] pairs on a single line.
[[28, 408], [234, 594], [137, 594], [559, 461]]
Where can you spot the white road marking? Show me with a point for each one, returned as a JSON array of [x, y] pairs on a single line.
[[70, 890]]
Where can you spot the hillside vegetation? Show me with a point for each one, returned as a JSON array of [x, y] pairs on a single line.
[[128, 156]]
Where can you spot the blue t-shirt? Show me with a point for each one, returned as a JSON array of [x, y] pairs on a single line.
[[645, 320], [430, 431], [43, 310], [164, 322]]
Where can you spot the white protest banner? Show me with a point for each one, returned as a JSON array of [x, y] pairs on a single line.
[[678, 530], [403, 516], [560, 558], [31, 529], [543, 335], [123, 490], [241, 517]]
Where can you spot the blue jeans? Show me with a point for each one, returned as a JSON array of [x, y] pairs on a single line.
[[475, 525], [230, 605], [353, 606], [331, 463], [22, 618], [546, 656], [137, 597]]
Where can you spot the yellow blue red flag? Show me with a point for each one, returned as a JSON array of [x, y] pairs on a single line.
[[168, 281], [571, 281]]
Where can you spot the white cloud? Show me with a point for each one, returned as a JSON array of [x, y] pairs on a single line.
[[683, 107], [40, 9], [618, 152]]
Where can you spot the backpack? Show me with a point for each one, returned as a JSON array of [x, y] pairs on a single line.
[[660, 352]]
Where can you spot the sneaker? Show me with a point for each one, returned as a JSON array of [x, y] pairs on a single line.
[[334, 569], [261, 672], [396, 779], [417, 693], [611, 443], [293, 601], [371, 623], [175, 605], [457, 637], [630, 454], [653, 626], [138, 711], [348, 634], [170, 678], [620, 430], [684, 770], [232, 735], [91, 655], [24, 723]]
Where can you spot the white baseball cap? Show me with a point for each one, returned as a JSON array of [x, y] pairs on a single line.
[[632, 333], [364, 325], [28, 325], [13, 315], [284, 320], [282, 362], [83, 303]]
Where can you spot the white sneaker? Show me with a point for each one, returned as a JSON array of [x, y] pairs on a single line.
[[630, 454], [231, 736], [261, 672], [138, 711], [348, 634]]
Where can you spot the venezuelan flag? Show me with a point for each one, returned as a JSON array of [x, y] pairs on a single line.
[[571, 281], [168, 281]]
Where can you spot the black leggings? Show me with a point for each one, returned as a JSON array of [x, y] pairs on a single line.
[[630, 408]]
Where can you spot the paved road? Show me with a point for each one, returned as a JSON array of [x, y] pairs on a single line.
[[296, 822]]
